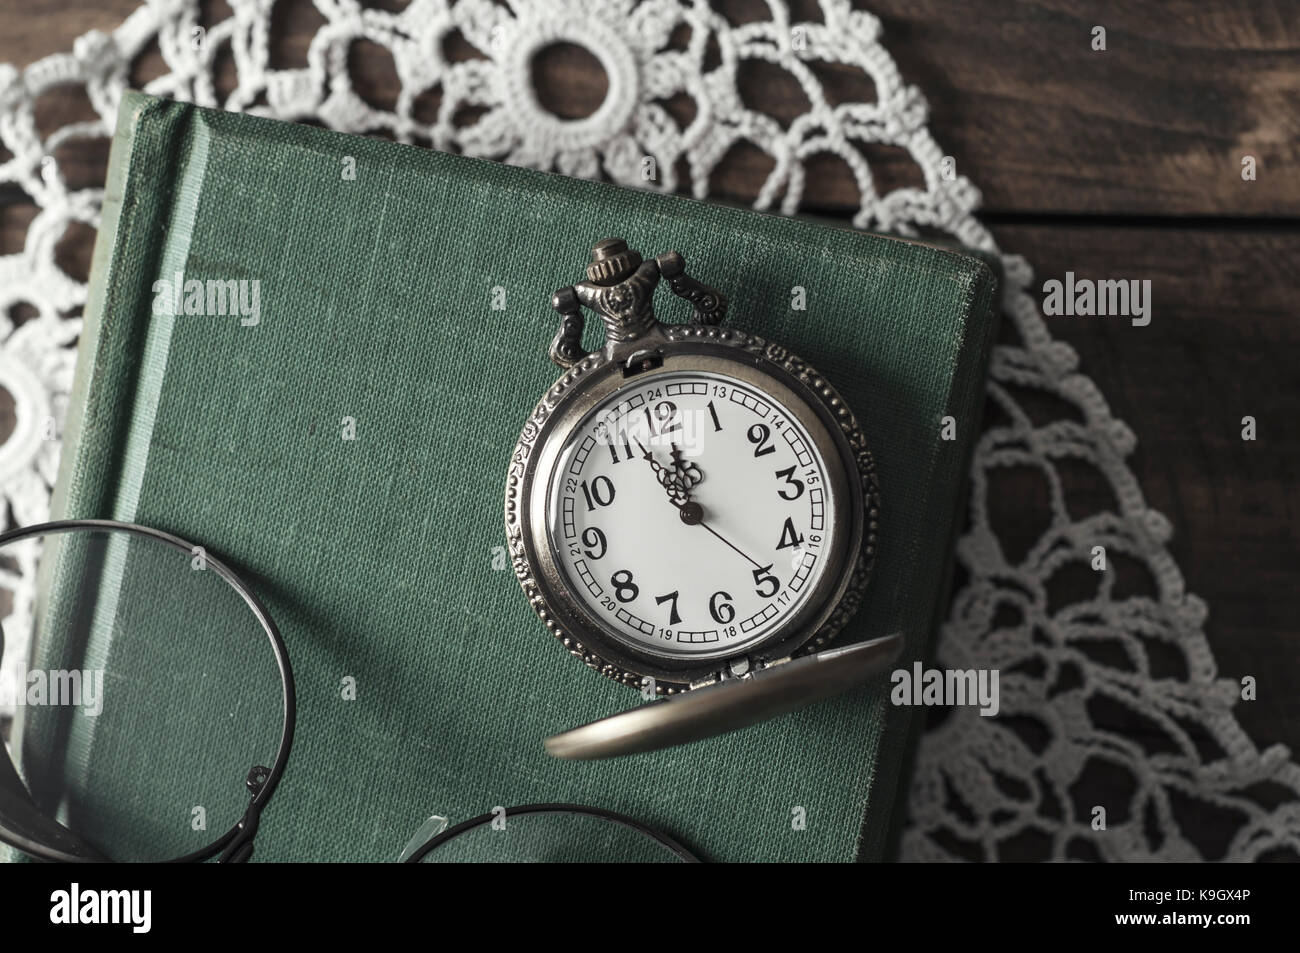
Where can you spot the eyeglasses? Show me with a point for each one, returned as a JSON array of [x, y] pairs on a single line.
[[543, 833], [156, 677]]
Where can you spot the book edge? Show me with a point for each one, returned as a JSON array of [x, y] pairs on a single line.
[[115, 219], [879, 842]]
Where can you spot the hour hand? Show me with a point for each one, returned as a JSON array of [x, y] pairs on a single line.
[[687, 471], [678, 492]]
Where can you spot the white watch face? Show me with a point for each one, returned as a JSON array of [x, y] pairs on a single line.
[[692, 515]]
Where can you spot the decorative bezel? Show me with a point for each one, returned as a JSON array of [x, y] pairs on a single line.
[[749, 357]]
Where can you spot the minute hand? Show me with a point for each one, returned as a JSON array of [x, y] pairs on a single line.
[[678, 482], [751, 560]]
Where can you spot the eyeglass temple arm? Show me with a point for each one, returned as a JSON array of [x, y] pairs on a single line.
[[240, 848], [24, 826]]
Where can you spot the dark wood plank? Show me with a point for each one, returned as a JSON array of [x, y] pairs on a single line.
[[1223, 342], [29, 31], [1155, 125]]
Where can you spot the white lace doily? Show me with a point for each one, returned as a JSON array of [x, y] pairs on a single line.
[[980, 782]]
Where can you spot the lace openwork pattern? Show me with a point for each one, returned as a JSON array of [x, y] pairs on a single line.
[[980, 782]]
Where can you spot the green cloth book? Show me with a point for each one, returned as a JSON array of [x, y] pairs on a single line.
[[380, 301]]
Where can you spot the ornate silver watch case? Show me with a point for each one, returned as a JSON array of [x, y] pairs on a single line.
[[619, 288]]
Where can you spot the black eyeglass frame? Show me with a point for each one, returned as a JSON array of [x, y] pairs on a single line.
[[662, 839], [236, 844]]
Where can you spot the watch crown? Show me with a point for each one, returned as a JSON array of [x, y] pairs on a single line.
[[612, 261]]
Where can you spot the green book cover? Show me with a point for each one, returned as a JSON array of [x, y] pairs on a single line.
[[380, 557]]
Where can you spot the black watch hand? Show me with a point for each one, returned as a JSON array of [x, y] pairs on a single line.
[[692, 513], [753, 562], [678, 493], [687, 471], [678, 483]]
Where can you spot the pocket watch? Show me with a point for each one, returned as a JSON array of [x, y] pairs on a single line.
[[692, 511]]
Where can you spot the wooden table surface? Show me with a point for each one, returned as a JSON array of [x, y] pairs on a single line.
[[1117, 164]]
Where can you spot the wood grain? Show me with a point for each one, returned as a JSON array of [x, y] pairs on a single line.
[[1157, 124], [1223, 343]]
